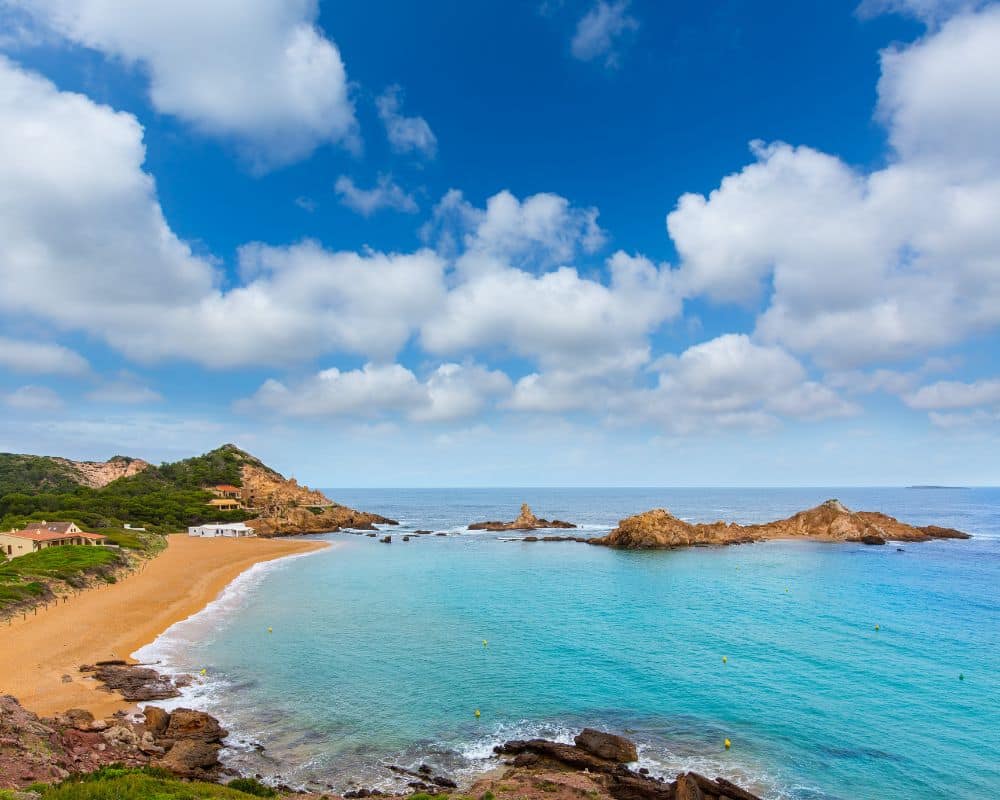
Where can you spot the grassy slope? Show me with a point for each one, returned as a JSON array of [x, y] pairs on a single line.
[[27, 579], [111, 783]]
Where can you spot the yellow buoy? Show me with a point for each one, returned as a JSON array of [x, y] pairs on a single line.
[[203, 671], [477, 713], [876, 627], [724, 659], [727, 743], [269, 630], [485, 643]]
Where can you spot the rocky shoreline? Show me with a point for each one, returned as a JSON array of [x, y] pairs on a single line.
[[187, 744]]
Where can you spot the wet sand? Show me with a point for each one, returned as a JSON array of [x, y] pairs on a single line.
[[116, 620]]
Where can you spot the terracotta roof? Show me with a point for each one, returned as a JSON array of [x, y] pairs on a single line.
[[42, 536], [90, 535], [58, 527]]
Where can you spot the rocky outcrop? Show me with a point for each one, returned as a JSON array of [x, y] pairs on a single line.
[[45, 750], [96, 474], [608, 746], [526, 521], [831, 521], [292, 521], [131, 681], [545, 770], [286, 508]]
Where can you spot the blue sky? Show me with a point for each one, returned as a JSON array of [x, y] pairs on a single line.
[[525, 243]]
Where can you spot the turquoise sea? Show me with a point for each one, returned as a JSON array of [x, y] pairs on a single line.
[[377, 653]]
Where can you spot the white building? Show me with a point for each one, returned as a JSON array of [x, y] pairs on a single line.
[[232, 530]]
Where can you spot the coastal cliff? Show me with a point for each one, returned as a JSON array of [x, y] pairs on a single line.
[[526, 521], [286, 508], [831, 521]]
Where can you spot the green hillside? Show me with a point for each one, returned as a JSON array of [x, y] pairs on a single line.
[[23, 473], [165, 498]]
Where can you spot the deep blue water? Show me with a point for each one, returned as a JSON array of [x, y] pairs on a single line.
[[377, 653]]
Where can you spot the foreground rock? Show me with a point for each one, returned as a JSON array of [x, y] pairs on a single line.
[[526, 521], [545, 770], [831, 521], [132, 681], [46, 750]]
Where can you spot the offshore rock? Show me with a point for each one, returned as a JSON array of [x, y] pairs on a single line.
[[831, 521], [526, 521]]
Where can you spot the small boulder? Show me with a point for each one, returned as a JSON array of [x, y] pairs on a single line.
[[156, 720], [688, 789], [187, 724], [606, 745], [190, 758]]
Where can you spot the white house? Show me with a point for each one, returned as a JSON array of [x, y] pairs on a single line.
[[232, 530]]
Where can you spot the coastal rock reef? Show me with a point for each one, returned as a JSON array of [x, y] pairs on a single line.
[[831, 521], [526, 521]]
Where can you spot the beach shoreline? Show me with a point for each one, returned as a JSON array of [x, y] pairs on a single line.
[[114, 621]]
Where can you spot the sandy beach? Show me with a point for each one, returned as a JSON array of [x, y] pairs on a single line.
[[116, 620]]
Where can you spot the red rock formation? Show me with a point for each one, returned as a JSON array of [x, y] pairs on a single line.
[[526, 521], [831, 521]]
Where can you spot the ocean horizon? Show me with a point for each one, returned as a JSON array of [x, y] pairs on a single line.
[[825, 664]]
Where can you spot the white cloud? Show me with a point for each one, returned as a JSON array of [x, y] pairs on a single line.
[[40, 358], [406, 134], [258, 71], [33, 398], [955, 394], [83, 241], [450, 392], [460, 390], [731, 382], [876, 266], [558, 318], [971, 421], [932, 12], [384, 194], [84, 244], [601, 31], [536, 233]]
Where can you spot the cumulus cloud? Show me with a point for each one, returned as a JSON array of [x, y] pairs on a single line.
[[862, 267], [536, 233], [85, 245], [557, 318], [730, 381], [40, 358], [384, 194], [405, 134], [260, 72], [33, 398], [602, 31], [955, 394], [451, 391]]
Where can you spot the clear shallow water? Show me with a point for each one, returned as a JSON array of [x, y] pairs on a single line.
[[376, 654]]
